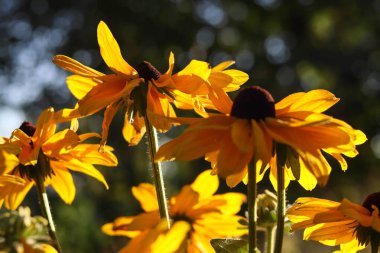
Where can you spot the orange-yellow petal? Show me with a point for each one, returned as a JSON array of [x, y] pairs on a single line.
[[110, 51], [75, 67], [146, 195], [79, 85]]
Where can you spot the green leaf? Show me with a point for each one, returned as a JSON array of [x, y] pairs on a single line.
[[230, 246]]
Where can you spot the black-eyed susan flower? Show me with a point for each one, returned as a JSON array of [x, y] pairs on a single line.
[[208, 215], [255, 123], [39, 152], [126, 88], [344, 223]]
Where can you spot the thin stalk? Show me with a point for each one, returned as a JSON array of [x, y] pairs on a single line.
[[269, 238], [252, 208], [157, 172], [280, 208], [46, 212]]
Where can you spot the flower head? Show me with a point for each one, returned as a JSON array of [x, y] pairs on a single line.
[[231, 141], [209, 216], [143, 91], [347, 224], [34, 152]]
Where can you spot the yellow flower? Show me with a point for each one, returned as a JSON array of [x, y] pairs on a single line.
[[210, 216], [347, 224], [122, 89], [38, 151], [255, 123]]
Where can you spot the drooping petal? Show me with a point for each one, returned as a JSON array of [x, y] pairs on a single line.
[[230, 159], [110, 51], [14, 194], [109, 114], [63, 183], [85, 168], [158, 104], [146, 195], [135, 130]]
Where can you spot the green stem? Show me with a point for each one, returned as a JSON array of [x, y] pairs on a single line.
[[280, 208], [157, 172], [252, 208], [46, 212], [269, 238]]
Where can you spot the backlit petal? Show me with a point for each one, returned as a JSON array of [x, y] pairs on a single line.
[[205, 184], [146, 195], [110, 51], [75, 67], [63, 183], [79, 85]]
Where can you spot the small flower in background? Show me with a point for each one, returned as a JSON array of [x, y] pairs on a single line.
[[22, 233], [39, 152], [208, 215], [255, 123], [347, 224], [197, 87]]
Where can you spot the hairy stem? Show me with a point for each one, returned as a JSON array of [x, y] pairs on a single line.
[[280, 208], [46, 212], [157, 172], [252, 212]]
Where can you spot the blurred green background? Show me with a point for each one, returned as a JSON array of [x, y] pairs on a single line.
[[284, 46]]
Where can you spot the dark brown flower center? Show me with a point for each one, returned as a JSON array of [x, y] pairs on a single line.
[[366, 235], [372, 200], [28, 128], [253, 103], [147, 71]]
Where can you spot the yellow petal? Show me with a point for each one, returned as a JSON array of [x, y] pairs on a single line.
[[14, 194], [75, 67], [63, 183], [173, 239], [85, 168], [314, 100], [133, 132], [263, 142], [110, 52], [184, 201], [8, 161], [45, 126], [119, 227], [146, 195], [205, 184], [79, 85], [89, 153], [230, 159], [159, 105], [60, 142], [221, 100], [100, 96], [191, 79], [222, 66], [242, 135], [109, 114]]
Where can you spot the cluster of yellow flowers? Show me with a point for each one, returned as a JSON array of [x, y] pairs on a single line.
[[292, 136]]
